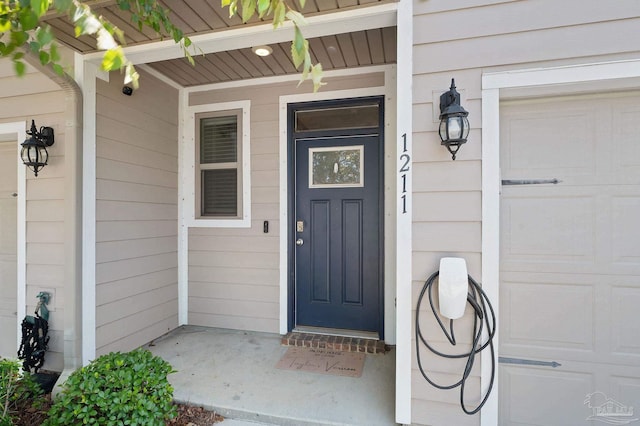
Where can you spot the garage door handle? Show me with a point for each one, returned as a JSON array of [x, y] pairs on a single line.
[[521, 361], [530, 181]]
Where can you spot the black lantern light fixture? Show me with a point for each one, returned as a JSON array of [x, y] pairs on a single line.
[[34, 149], [454, 125]]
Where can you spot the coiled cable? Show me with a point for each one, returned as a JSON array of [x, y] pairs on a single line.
[[479, 301]]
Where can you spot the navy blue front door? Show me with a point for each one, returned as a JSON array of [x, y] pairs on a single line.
[[338, 232]]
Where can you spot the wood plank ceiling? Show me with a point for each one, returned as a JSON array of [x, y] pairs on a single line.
[[351, 49]]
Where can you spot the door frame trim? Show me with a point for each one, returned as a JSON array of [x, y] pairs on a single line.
[[292, 196], [389, 282], [18, 129], [494, 87]]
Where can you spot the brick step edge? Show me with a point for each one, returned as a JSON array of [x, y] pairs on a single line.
[[338, 343]]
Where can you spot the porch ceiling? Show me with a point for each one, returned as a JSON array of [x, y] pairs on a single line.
[[195, 17], [370, 47]]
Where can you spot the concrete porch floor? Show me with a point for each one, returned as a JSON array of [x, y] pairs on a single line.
[[233, 373]]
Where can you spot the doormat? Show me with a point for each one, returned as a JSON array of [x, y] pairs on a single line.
[[322, 361]]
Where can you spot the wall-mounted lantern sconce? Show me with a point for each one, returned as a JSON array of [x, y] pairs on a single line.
[[454, 125], [34, 149]]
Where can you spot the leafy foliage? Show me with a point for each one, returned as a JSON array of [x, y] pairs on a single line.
[[115, 389], [15, 389], [21, 24]]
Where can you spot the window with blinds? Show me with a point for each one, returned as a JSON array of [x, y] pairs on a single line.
[[219, 160]]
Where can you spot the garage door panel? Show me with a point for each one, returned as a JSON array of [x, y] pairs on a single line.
[[555, 232], [524, 309], [625, 387], [528, 400], [626, 229], [534, 146], [625, 323], [626, 125]]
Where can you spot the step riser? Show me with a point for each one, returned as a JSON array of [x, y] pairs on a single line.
[[337, 343]]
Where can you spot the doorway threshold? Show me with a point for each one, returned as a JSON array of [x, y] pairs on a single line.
[[335, 339], [336, 332]]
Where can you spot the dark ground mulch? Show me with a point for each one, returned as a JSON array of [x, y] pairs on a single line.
[[29, 414], [188, 415]]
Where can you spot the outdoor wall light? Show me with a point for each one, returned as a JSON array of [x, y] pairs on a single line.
[[34, 149], [454, 125]]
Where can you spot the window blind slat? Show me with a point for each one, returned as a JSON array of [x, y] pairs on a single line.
[[218, 139], [219, 192]]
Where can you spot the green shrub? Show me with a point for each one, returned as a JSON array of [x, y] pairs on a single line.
[[16, 390], [116, 389]]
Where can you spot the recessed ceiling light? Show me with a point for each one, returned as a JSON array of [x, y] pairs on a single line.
[[262, 50]]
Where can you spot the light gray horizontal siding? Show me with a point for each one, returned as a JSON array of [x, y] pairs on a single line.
[[233, 272], [462, 40], [136, 213], [22, 99], [129, 287]]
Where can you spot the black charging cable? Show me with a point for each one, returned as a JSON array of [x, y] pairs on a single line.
[[479, 301]]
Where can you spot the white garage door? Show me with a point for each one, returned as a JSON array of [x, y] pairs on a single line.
[[570, 260], [8, 236]]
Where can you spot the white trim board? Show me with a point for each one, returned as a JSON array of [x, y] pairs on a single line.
[[491, 85], [85, 75], [404, 229], [18, 129], [183, 229]]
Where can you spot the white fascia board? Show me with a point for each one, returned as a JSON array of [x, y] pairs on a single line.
[[379, 16], [561, 75], [275, 79]]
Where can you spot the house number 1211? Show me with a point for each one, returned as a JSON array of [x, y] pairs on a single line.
[[405, 160]]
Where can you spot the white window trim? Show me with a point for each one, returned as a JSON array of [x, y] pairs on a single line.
[[192, 220]]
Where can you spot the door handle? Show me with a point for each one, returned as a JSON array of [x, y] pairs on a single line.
[[299, 242]]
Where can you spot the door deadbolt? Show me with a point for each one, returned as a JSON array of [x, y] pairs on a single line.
[[300, 226]]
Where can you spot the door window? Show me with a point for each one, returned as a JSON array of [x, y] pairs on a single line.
[[338, 118], [336, 167]]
